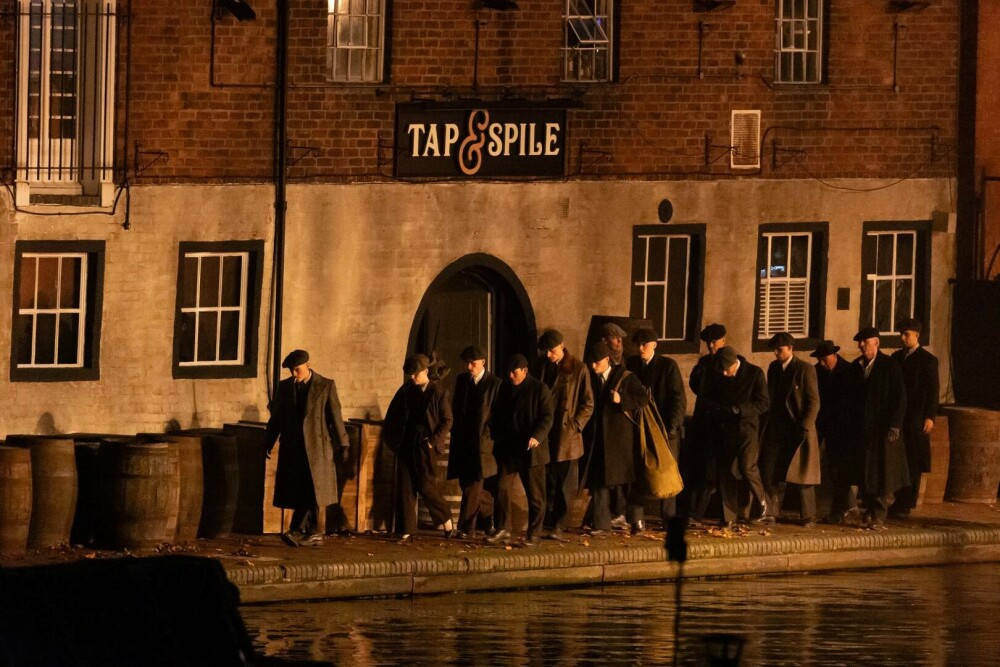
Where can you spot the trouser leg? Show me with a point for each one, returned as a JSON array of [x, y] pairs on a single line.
[[807, 495], [634, 507], [437, 506], [501, 510], [878, 506], [304, 520], [472, 497], [601, 497], [406, 500], [729, 489], [562, 484], [533, 480]]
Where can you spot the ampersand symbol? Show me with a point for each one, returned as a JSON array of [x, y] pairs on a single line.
[[470, 153]]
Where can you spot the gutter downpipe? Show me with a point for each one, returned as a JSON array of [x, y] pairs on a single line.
[[280, 201]]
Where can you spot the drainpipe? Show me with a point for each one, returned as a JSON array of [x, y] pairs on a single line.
[[280, 201]]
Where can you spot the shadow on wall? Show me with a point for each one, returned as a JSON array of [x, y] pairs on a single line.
[[251, 413], [46, 425]]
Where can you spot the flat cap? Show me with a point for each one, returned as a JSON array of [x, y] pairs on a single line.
[[867, 332], [825, 349], [472, 353], [295, 358], [643, 336], [910, 324], [725, 358], [597, 352], [515, 362], [549, 339], [781, 339], [416, 363], [612, 329], [713, 332]]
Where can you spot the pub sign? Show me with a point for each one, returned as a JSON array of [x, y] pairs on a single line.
[[479, 142]]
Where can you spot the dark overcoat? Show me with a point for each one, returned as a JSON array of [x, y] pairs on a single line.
[[880, 405], [663, 379], [573, 400], [471, 450], [613, 455], [797, 457], [732, 410], [920, 376], [308, 442], [522, 412], [834, 422], [433, 420]]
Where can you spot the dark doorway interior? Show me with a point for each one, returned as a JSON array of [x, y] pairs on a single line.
[[476, 300]]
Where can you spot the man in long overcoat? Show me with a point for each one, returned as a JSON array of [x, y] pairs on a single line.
[[306, 416], [841, 447], [790, 448], [522, 418], [733, 398], [573, 400], [661, 376], [697, 459], [920, 375], [470, 459], [613, 456], [879, 412]]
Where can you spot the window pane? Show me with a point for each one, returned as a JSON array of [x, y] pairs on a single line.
[[45, 338], [24, 328], [904, 300], [207, 329], [229, 340], [69, 338], [883, 305], [883, 259], [69, 296], [779, 257], [48, 274], [657, 269], [209, 293], [904, 254], [677, 290], [800, 257], [654, 307], [186, 337], [26, 296], [232, 281], [189, 282]]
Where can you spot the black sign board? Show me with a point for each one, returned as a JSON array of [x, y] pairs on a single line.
[[480, 142]]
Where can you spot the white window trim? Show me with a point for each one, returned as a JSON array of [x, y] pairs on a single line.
[[91, 155], [336, 11], [799, 24], [603, 10], [80, 311], [893, 278], [198, 309], [646, 283], [769, 284]]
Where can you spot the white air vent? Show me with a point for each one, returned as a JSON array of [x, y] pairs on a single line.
[[745, 140]]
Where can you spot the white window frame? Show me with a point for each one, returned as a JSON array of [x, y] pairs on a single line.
[[772, 287], [58, 310], [583, 48], [218, 309], [83, 164], [646, 283], [795, 23], [893, 278], [355, 33]]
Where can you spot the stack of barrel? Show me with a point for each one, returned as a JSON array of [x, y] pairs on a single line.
[[118, 492]]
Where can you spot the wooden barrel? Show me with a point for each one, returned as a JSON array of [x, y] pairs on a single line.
[[251, 443], [974, 464], [88, 477], [933, 483], [15, 501], [54, 492], [220, 464], [192, 492], [142, 493]]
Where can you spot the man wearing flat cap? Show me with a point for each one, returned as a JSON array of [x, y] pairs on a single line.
[[841, 450], [696, 461], [920, 375], [661, 376], [522, 419], [733, 398], [416, 428], [612, 457], [613, 336], [306, 416], [879, 412], [789, 452], [470, 458], [573, 400]]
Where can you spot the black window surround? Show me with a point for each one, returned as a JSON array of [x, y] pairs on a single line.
[[255, 269]]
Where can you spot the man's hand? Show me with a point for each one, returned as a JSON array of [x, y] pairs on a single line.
[[615, 397], [928, 426], [532, 443], [345, 454], [893, 434]]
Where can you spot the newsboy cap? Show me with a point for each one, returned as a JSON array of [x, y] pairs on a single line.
[[515, 362], [416, 363], [867, 332], [295, 358], [725, 358], [825, 349], [643, 336], [549, 339], [911, 324], [781, 339], [713, 332], [597, 352], [612, 329], [472, 353]]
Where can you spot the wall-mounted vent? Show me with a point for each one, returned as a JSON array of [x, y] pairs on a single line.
[[745, 140]]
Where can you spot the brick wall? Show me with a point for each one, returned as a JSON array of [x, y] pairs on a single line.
[[987, 126]]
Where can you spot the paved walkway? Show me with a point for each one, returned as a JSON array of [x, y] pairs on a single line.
[[266, 570]]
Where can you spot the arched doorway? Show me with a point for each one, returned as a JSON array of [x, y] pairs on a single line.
[[475, 300]]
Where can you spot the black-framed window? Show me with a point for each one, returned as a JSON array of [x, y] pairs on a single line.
[[800, 41], [668, 266], [895, 277], [590, 41], [791, 282], [218, 306], [358, 40], [58, 287]]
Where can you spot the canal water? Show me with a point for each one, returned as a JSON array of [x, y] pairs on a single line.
[[908, 616]]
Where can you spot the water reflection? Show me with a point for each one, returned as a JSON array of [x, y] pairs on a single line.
[[915, 616]]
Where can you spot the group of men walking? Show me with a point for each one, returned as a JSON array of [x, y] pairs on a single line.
[[560, 424]]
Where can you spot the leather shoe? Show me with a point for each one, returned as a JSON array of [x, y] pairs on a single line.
[[764, 521], [557, 534], [619, 522], [809, 523], [288, 538], [312, 540], [638, 527], [599, 532], [500, 537], [532, 541], [451, 534]]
